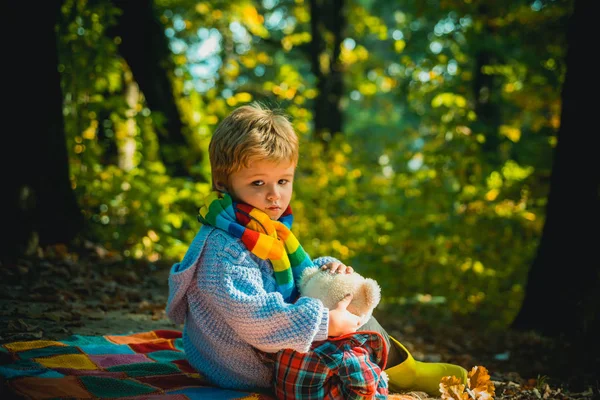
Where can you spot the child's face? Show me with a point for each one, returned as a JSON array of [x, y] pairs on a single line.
[[265, 185]]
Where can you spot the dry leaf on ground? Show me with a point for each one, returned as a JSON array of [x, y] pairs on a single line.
[[479, 385], [452, 388]]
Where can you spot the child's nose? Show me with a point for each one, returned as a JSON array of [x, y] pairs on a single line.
[[273, 194]]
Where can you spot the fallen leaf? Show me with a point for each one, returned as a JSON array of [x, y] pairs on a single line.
[[452, 388], [480, 386]]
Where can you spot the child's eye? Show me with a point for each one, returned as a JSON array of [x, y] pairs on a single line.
[[258, 183], [283, 181]]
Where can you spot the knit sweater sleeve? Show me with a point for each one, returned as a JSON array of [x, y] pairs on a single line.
[[236, 289], [319, 262]]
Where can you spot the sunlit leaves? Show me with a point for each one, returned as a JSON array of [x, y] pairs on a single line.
[[399, 45], [225, 12], [406, 190], [515, 172], [351, 56], [90, 132], [231, 69], [202, 8], [449, 100], [251, 59], [363, 23], [295, 39], [301, 13], [494, 181], [367, 88], [511, 132], [253, 20], [168, 212]]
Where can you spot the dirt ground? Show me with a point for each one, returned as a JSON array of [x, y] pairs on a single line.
[[58, 293]]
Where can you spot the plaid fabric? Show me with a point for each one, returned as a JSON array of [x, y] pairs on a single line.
[[342, 368], [145, 365]]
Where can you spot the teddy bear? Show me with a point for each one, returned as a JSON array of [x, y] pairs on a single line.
[[344, 366], [313, 370], [331, 288]]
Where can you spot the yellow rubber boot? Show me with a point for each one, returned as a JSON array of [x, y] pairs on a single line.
[[413, 375]]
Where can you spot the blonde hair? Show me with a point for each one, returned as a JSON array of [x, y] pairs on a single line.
[[248, 133]]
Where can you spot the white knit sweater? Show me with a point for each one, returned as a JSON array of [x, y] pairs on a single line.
[[228, 300]]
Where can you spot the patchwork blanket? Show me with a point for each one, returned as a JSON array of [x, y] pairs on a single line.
[[146, 365]]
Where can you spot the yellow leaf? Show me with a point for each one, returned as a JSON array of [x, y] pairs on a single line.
[[243, 97], [492, 194], [367, 88], [90, 133], [263, 58], [212, 120], [529, 216], [399, 46], [310, 93], [175, 220], [202, 8], [514, 134], [302, 127], [479, 383], [153, 236], [451, 388]]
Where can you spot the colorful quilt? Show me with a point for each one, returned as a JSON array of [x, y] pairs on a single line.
[[145, 365]]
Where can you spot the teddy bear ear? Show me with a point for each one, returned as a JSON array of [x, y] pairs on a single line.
[[371, 292], [306, 276]]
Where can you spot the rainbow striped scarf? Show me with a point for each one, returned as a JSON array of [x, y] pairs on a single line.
[[263, 237]]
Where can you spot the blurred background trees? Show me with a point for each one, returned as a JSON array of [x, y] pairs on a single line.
[[427, 130]]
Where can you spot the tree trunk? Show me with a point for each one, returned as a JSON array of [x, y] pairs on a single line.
[[486, 88], [145, 48], [327, 21], [487, 110], [562, 294], [41, 206]]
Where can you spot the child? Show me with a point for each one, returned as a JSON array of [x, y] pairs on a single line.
[[235, 288]]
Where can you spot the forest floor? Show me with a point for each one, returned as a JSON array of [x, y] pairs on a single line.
[[91, 291]]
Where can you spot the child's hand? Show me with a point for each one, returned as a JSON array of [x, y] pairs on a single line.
[[337, 267], [342, 321]]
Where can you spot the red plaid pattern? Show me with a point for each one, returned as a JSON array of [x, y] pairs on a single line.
[[341, 368]]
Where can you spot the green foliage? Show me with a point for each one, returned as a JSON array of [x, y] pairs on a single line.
[[437, 186], [142, 213]]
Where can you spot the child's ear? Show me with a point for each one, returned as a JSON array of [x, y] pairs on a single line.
[[220, 187]]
